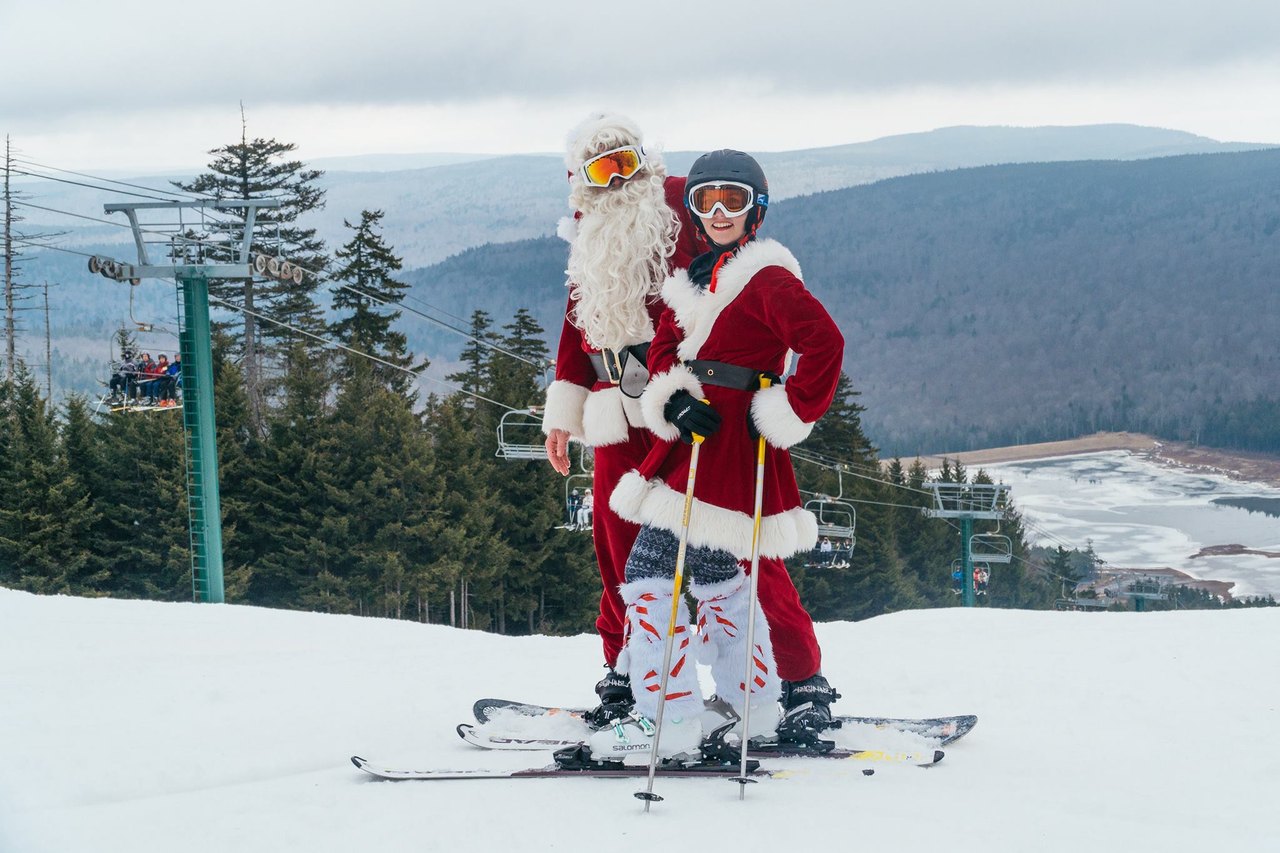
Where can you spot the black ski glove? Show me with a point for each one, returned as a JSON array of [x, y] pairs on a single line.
[[690, 415]]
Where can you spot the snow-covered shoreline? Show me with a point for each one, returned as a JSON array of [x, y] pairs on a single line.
[[1141, 514], [1239, 466]]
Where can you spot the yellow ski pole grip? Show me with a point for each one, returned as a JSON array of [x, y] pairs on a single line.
[[698, 439]]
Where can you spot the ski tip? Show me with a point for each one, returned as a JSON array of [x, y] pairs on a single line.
[[463, 730], [938, 755], [359, 762]]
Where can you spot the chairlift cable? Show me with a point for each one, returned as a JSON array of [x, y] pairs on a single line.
[[89, 186], [374, 358], [34, 164], [317, 274]]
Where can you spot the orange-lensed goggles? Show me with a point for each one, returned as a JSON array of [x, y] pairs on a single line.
[[619, 163], [732, 198]]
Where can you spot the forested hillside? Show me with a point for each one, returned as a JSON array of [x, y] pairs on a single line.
[[1016, 303]]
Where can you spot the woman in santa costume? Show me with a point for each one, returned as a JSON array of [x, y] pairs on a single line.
[[733, 317]]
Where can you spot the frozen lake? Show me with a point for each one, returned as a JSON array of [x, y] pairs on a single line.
[[1140, 514]]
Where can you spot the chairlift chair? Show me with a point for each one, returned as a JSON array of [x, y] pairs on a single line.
[[516, 429], [991, 548], [837, 521]]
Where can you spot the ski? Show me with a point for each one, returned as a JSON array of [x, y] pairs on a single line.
[[559, 771], [945, 730], [923, 758]]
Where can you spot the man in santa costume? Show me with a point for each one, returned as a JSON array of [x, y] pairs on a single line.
[[631, 230], [735, 316]]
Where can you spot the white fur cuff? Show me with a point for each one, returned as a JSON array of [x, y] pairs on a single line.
[[659, 392], [565, 402], [628, 496], [719, 589], [776, 420], [604, 420]]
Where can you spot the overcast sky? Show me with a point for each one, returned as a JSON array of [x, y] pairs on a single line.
[[143, 85]]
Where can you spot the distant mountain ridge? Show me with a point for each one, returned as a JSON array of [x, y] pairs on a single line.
[[1007, 304], [447, 203]]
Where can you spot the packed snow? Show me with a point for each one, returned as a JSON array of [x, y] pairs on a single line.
[[141, 726]]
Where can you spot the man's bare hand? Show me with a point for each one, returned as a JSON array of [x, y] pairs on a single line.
[[558, 451]]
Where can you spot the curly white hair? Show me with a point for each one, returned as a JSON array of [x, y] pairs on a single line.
[[625, 237]]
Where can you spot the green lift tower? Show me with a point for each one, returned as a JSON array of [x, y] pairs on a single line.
[[166, 227], [969, 502]]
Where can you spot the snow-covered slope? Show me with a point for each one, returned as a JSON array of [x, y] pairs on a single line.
[[134, 726]]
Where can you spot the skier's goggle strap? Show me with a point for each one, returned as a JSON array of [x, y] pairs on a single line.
[[732, 198], [620, 162]]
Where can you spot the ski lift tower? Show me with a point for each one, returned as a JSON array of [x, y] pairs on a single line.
[[969, 502], [192, 263]]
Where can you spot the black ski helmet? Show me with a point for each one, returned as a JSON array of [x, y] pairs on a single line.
[[729, 165]]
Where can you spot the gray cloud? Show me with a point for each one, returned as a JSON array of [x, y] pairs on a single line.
[[72, 57]]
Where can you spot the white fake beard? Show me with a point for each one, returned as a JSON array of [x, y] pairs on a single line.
[[619, 259]]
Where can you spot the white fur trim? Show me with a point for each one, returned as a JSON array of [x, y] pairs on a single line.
[[567, 228], [657, 504], [630, 594], [658, 393], [725, 611], [629, 495], [720, 589], [635, 415], [645, 651], [631, 591], [777, 421], [604, 421], [696, 310], [565, 401]]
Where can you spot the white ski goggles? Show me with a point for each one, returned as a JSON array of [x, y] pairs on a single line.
[[732, 198]]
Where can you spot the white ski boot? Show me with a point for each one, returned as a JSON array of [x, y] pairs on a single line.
[[634, 735], [764, 718]]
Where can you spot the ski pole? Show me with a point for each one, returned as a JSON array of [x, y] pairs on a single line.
[[648, 795], [742, 779]]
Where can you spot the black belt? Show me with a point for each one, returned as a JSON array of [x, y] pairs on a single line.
[[610, 364], [727, 375]]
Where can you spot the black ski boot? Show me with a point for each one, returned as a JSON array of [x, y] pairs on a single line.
[[616, 700], [806, 710]]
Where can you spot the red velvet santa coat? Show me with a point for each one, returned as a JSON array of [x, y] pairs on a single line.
[[758, 311]]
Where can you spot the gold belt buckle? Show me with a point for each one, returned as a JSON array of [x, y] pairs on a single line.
[[615, 375]]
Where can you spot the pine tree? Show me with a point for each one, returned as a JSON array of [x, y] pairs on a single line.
[[873, 579], [45, 511], [367, 267], [476, 355], [386, 487], [284, 490], [141, 495], [258, 169]]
